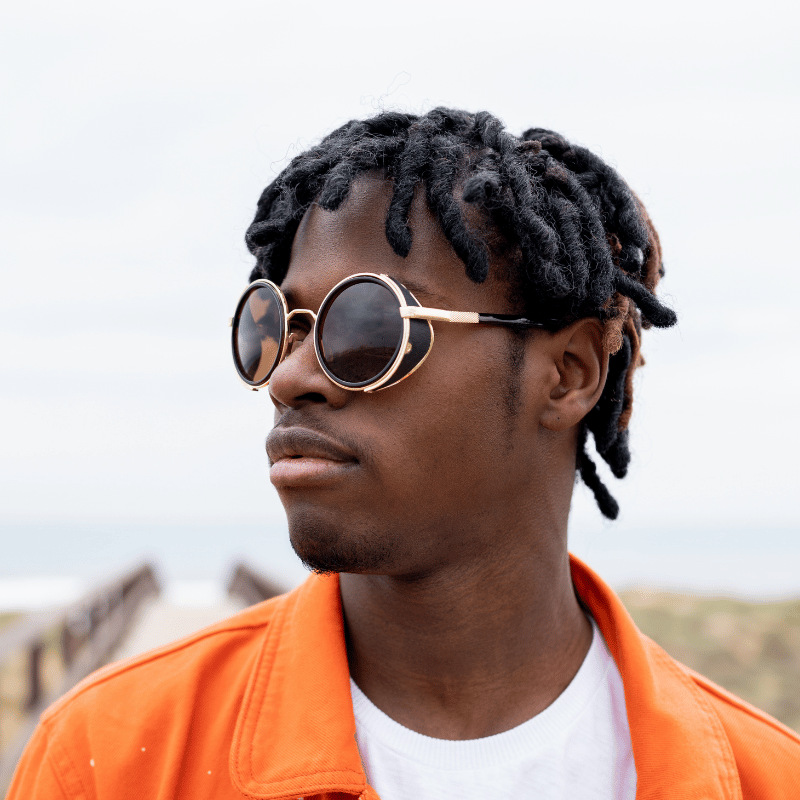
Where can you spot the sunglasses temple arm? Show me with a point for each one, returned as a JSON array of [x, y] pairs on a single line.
[[470, 317], [519, 322], [439, 314]]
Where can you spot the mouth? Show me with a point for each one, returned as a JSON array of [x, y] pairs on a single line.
[[300, 457]]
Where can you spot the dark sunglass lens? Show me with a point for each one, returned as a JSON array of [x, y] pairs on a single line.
[[257, 334], [360, 332]]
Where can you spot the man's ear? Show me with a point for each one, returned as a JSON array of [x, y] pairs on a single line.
[[582, 366]]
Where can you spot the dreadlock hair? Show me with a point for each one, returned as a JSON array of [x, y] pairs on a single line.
[[584, 244]]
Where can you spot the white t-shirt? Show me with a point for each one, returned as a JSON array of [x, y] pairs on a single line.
[[578, 747]]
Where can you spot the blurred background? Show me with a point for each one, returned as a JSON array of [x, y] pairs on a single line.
[[136, 139]]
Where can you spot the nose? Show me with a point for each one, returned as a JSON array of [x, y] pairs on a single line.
[[299, 380]]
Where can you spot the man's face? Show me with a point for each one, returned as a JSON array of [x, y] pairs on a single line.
[[437, 464]]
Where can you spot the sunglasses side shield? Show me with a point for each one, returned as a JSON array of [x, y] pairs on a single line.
[[417, 345]]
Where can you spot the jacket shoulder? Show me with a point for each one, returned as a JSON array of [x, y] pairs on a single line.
[[158, 718], [175, 671], [767, 752]]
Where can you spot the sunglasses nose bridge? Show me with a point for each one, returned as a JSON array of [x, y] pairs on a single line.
[[295, 337], [306, 311]]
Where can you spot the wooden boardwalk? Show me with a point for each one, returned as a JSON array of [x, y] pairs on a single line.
[[161, 622]]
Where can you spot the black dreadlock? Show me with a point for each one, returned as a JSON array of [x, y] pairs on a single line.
[[584, 242]]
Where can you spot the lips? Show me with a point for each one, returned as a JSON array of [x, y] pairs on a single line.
[[302, 457]]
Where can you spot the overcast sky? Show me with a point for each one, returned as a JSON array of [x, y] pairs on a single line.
[[137, 137]]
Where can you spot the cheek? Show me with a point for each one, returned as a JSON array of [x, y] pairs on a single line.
[[450, 426]]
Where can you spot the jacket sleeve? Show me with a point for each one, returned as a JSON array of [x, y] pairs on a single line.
[[36, 776]]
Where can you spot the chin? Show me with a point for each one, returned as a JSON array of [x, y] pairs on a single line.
[[325, 548]]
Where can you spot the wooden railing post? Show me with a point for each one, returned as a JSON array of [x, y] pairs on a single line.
[[86, 634], [35, 693], [251, 587]]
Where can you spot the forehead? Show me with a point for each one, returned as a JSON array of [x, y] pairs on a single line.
[[331, 245]]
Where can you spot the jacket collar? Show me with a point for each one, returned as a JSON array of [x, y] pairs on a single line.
[[295, 735], [679, 745]]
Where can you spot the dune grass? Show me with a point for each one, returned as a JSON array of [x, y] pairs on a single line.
[[751, 649], [7, 617]]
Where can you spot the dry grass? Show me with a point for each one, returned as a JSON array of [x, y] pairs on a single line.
[[15, 682], [7, 617], [751, 649]]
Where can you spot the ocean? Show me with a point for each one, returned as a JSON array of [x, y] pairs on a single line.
[[48, 564]]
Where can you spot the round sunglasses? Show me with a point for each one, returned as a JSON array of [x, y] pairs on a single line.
[[369, 333]]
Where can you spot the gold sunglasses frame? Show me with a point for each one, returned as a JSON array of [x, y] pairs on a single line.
[[407, 313]]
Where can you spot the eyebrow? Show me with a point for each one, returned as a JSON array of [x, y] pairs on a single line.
[[413, 286], [421, 288], [291, 301]]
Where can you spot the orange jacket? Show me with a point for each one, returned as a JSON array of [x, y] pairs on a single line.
[[259, 706]]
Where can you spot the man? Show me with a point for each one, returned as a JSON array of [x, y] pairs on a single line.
[[441, 313]]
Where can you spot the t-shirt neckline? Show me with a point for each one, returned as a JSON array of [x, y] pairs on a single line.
[[531, 736]]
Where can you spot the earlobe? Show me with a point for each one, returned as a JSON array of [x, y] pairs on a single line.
[[582, 366]]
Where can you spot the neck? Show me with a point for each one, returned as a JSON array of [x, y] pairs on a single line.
[[464, 653]]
